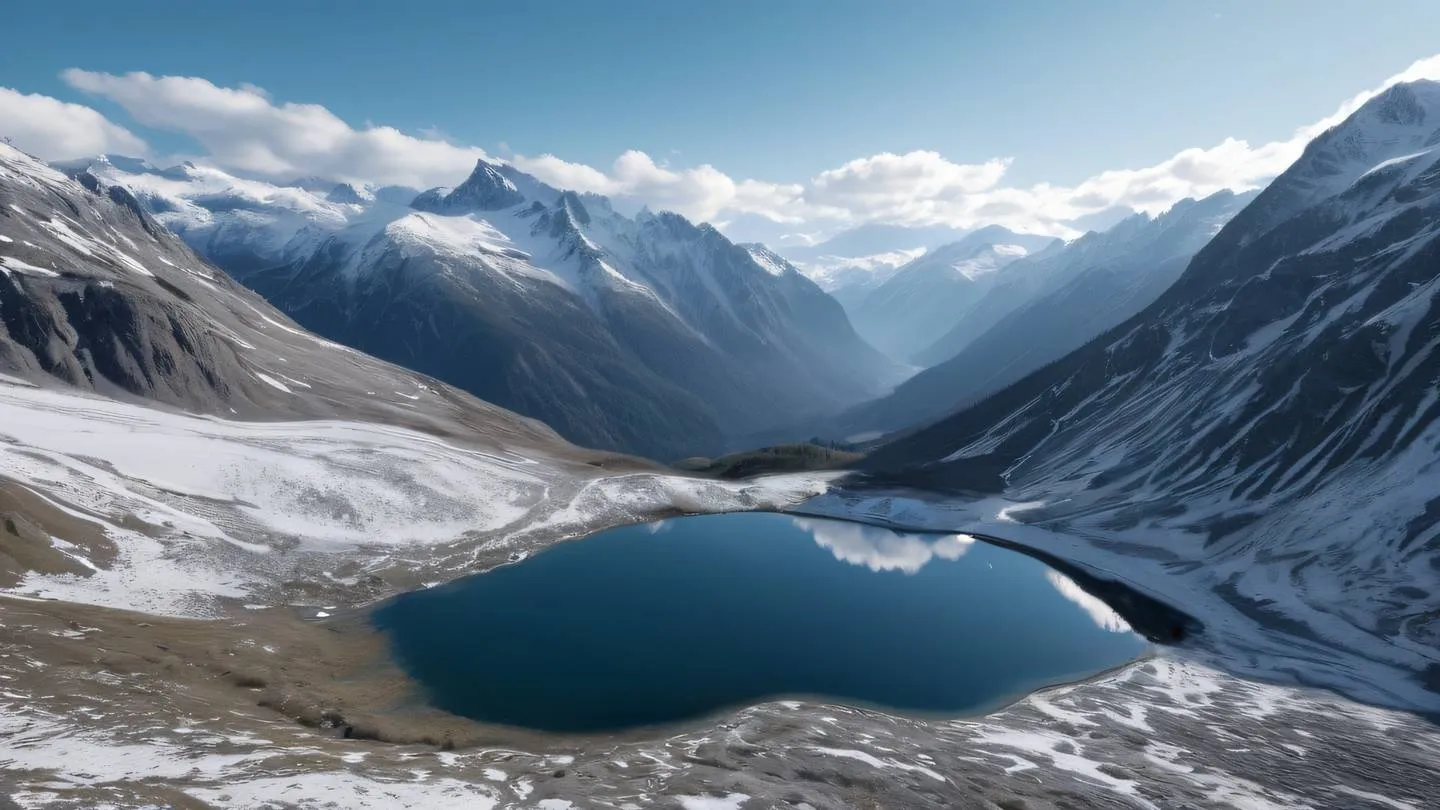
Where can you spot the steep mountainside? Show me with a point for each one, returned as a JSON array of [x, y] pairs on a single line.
[[926, 298], [649, 334], [1048, 306], [95, 293], [1274, 418]]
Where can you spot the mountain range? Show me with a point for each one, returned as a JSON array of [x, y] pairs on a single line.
[[647, 334], [95, 293]]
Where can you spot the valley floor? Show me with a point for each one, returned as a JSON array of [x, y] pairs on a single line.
[[209, 592]]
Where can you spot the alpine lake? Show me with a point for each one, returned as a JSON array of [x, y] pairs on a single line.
[[657, 624]]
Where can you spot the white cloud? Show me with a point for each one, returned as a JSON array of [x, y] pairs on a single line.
[[883, 182], [55, 130], [702, 192], [243, 129], [923, 188]]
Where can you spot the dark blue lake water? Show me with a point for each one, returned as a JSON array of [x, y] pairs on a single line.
[[669, 621]]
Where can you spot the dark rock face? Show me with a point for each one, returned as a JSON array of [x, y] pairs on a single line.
[[346, 194], [525, 345]]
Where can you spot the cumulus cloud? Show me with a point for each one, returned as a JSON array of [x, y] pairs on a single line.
[[924, 188], [701, 192], [242, 128], [885, 181], [55, 130]]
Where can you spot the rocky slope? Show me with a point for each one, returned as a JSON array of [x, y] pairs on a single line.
[[95, 293]]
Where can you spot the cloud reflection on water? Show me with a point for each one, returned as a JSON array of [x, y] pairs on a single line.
[[1100, 612], [882, 549]]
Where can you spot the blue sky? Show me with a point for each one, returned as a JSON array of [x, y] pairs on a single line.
[[776, 92]]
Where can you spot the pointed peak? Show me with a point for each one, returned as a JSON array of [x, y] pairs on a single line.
[[486, 189], [432, 199], [488, 174], [570, 202]]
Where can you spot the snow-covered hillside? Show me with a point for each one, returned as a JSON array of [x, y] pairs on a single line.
[[533, 298], [1265, 436], [230, 511]]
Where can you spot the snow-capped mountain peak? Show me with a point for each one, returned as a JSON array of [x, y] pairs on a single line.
[[1278, 403], [570, 202], [648, 315], [486, 189], [1399, 126]]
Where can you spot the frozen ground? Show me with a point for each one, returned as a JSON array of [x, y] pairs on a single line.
[[227, 510]]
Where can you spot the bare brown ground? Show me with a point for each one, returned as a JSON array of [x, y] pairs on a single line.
[[27, 522]]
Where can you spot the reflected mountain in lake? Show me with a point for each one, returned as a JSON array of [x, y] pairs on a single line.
[[654, 624]]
